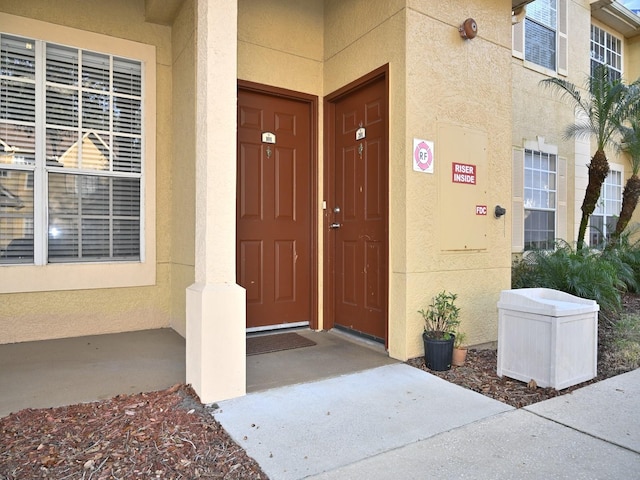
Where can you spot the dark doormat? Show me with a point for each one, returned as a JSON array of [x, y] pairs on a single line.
[[276, 342]]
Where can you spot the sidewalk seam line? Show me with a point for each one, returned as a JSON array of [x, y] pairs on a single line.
[[596, 437]]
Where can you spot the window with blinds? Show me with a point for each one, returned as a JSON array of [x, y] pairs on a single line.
[[602, 222], [540, 33], [540, 190], [71, 162]]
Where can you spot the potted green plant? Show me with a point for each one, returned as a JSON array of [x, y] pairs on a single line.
[[440, 323], [459, 349]]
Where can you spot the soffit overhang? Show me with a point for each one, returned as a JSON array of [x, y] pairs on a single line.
[[616, 16], [516, 5]]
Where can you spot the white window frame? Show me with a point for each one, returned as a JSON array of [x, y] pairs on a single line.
[[72, 276], [609, 204], [518, 191], [561, 38], [607, 51], [551, 193], [551, 27]]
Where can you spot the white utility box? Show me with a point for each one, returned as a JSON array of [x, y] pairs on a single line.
[[547, 336]]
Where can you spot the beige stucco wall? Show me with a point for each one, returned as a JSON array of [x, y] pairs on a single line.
[[632, 58], [183, 162], [439, 84], [323, 46], [632, 65], [280, 43], [540, 112], [318, 49], [353, 49], [457, 95], [215, 305], [632, 73], [55, 314], [459, 92]]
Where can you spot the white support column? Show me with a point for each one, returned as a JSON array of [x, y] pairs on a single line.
[[216, 308]]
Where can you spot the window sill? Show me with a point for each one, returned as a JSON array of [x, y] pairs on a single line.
[[540, 69], [31, 278]]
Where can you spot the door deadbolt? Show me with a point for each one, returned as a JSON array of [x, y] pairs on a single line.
[[336, 209]]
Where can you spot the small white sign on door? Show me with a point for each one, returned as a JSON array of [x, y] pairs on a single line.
[[268, 137]]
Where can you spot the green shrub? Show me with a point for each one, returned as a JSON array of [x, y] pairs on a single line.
[[441, 316], [583, 273], [626, 254]]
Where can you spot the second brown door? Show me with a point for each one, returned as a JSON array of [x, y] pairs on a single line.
[[358, 173]]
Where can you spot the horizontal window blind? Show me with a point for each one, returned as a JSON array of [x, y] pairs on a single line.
[[602, 222], [540, 200], [73, 118], [539, 230], [93, 217], [16, 221], [540, 44], [544, 12], [17, 101]]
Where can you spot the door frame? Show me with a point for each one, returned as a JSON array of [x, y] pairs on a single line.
[[312, 102], [329, 148]]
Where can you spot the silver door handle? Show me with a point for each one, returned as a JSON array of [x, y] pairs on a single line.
[[335, 225]]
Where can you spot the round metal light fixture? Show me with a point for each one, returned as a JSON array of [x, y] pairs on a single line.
[[468, 29]]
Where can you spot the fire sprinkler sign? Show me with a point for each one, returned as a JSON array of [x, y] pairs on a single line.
[[422, 155], [463, 173]]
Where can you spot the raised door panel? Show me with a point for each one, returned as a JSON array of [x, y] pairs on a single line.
[[274, 209], [359, 177]]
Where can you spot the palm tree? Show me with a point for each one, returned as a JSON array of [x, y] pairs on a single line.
[[600, 114], [631, 194]]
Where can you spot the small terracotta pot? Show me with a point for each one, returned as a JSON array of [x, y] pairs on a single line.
[[459, 356]]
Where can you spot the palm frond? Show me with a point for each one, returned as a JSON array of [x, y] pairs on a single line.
[[586, 273], [566, 90], [581, 130], [631, 142], [600, 113]]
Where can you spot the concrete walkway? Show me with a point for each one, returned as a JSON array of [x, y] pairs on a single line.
[[399, 422]]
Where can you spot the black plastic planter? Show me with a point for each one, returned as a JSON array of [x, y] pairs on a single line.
[[438, 353]]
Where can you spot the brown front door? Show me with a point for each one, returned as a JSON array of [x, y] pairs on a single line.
[[357, 209], [273, 252]]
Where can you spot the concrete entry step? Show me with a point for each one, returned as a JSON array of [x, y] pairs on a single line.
[[335, 353], [52, 373]]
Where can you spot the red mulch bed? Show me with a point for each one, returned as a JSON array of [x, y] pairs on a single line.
[[479, 372], [157, 435]]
